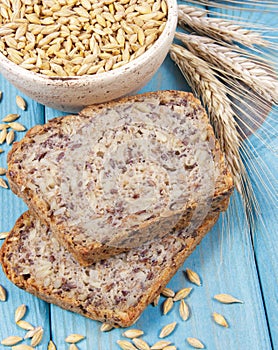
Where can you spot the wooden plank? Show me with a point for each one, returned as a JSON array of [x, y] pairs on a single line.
[[265, 235], [10, 209], [225, 265]]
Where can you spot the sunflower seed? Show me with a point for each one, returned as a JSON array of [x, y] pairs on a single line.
[[167, 292], [22, 347], [4, 235], [74, 338], [133, 333], [3, 183], [184, 310], [141, 344], [193, 277], [10, 137], [20, 312], [10, 117], [12, 340], [181, 294], [156, 300], [3, 135], [37, 338], [24, 325], [167, 330], [126, 345], [3, 171], [3, 293], [195, 343], [51, 345], [226, 299], [21, 103], [167, 305], [106, 327], [160, 345], [17, 126], [220, 319]]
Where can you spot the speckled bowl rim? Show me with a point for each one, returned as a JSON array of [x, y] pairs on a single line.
[[170, 27]]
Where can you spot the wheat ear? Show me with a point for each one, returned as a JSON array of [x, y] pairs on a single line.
[[220, 29], [240, 67], [213, 93]]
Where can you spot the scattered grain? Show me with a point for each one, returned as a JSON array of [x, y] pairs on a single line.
[[37, 337], [24, 325], [170, 347], [193, 277], [74, 338], [160, 345], [10, 118], [141, 344], [21, 103], [3, 171], [226, 299], [184, 310], [1, 95], [182, 294], [3, 183], [133, 333], [31, 333], [1, 150], [3, 293], [167, 305], [12, 340], [167, 292], [126, 345], [73, 347], [3, 135], [17, 126], [51, 345], [195, 343], [106, 327], [4, 235], [22, 347], [4, 126], [20, 312], [167, 330], [156, 300], [10, 137], [220, 319]]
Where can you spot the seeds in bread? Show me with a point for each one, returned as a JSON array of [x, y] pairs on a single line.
[[33, 259], [141, 157]]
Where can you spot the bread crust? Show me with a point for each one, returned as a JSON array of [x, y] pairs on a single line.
[[89, 253], [122, 318]]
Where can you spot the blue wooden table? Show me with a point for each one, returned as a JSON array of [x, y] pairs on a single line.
[[231, 259]]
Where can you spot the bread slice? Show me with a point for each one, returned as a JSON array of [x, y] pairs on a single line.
[[121, 173], [116, 290]]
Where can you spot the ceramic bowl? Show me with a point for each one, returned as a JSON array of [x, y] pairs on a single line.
[[71, 94]]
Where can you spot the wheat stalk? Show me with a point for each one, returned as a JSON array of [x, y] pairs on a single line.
[[240, 67], [214, 96], [217, 28], [266, 6]]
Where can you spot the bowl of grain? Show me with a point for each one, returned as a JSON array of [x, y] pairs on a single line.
[[70, 54]]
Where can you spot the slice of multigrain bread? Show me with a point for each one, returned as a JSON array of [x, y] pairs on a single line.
[[121, 173], [116, 290]]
